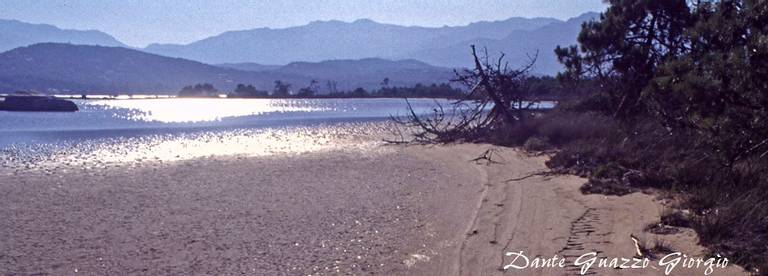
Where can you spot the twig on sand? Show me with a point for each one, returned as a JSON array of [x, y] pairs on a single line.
[[539, 173], [395, 142], [488, 157]]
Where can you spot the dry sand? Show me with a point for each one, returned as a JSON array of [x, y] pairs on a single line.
[[548, 215], [397, 210]]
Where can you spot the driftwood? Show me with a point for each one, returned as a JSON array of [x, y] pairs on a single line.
[[488, 157], [540, 173], [497, 97]]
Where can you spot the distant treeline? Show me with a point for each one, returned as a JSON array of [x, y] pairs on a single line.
[[542, 88], [284, 90]]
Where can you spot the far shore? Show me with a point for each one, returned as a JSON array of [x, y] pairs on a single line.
[[144, 97], [222, 96]]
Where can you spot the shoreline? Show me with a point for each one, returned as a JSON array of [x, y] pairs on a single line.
[[395, 210], [101, 97]]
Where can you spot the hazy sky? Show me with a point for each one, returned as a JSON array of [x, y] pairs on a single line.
[[140, 22]]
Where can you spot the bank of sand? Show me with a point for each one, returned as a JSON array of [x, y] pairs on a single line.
[[392, 210]]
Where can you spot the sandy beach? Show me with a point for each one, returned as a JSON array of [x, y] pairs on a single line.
[[460, 138], [389, 210]]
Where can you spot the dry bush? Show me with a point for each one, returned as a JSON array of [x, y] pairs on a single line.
[[498, 101], [562, 127], [675, 218], [737, 227]]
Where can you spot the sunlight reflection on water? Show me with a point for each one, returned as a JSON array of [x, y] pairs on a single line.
[[201, 110], [138, 130], [361, 137]]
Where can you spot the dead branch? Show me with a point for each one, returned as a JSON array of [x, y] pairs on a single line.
[[488, 157], [496, 99], [540, 173]]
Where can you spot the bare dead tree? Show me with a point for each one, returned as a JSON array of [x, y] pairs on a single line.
[[497, 98]]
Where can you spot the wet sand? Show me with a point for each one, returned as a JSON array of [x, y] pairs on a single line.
[[391, 210]]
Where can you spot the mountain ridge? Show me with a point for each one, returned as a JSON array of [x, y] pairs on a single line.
[[482, 23], [15, 33], [517, 46], [68, 68], [330, 40], [319, 49]]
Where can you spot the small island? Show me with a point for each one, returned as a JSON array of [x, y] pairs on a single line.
[[35, 103]]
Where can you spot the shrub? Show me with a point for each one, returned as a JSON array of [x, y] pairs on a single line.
[[737, 227], [536, 144], [563, 127], [675, 218]]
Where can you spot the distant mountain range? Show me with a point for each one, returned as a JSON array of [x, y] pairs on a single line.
[[15, 34], [518, 45], [356, 54], [67, 68], [328, 40]]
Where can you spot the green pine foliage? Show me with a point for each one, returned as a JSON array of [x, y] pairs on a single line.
[[686, 84]]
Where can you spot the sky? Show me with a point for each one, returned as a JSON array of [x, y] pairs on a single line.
[[141, 22]]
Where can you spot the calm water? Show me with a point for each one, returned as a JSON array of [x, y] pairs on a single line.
[[115, 118], [175, 129], [170, 129]]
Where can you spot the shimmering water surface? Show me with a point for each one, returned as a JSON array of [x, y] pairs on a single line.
[[172, 129], [172, 113], [129, 130]]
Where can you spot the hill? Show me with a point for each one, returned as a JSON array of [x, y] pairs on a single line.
[[15, 34], [368, 73], [53, 67], [67, 68], [249, 66]]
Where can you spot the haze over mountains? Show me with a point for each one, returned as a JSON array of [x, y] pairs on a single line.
[[67, 68], [355, 54], [517, 45], [15, 34], [53, 67], [327, 40]]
